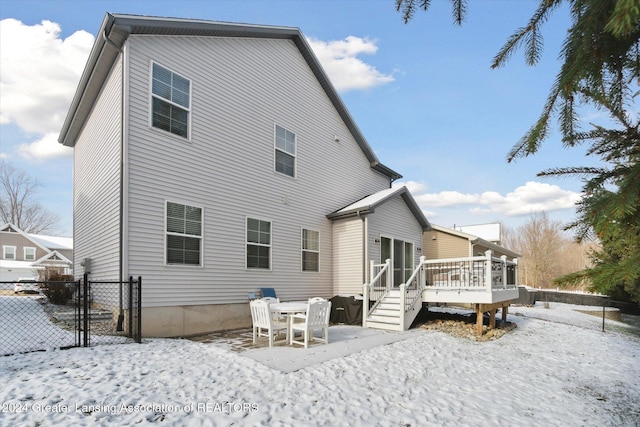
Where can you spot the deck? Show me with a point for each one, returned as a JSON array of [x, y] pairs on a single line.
[[485, 282]]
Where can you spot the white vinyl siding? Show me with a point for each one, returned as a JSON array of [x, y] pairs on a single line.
[[241, 87], [348, 256], [394, 220], [310, 250], [285, 151], [96, 183], [170, 101]]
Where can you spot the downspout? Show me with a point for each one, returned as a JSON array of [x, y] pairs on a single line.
[[120, 325], [365, 247]]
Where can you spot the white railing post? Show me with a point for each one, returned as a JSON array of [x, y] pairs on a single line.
[[365, 304], [515, 273], [422, 281], [504, 271], [389, 274], [487, 272], [403, 304]]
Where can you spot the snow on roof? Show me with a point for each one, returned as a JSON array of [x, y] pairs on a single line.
[[53, 242], [369, 201]]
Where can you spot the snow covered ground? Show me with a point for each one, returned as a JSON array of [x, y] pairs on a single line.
[[555, 369]]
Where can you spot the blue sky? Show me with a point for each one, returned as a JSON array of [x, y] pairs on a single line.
[[422, 93]]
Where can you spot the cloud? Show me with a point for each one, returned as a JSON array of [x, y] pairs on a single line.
[[46, 147], [528, 198], [339, 59], [39, 72]]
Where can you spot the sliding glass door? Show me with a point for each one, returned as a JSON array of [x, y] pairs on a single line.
[[401, 255]]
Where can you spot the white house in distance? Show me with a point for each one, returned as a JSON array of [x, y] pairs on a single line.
[[214, 159], [25, 255]]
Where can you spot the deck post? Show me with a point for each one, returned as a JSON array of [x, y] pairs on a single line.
[[479, 314], [505, 309]]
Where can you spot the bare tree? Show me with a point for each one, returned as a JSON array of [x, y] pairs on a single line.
[[18, 204], [540, 242]]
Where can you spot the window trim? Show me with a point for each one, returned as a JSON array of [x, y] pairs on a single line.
[[5, 249], [152, 96], [247, 243], [167, 233], [303, 250], [25, 253], [276, 150]]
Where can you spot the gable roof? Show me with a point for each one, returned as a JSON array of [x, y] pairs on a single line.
[[10, 228], [367, 205], [476, 240], [54, 258], [116, 28]]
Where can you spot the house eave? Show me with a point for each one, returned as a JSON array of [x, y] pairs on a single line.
[[116, 28]]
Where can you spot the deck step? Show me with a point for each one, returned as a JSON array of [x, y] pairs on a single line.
[[386, 312], [384, 319], [384, 326]]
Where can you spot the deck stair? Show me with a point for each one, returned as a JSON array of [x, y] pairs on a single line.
[[386, 314]]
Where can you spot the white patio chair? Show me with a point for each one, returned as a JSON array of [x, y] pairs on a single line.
[[264, 325], [316, 318]]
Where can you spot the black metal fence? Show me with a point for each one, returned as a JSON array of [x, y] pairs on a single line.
[[39, 316]]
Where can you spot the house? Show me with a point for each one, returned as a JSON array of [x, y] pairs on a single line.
[[442, 242], [491, 232], [214, 159], [461, 268], [26, 255]]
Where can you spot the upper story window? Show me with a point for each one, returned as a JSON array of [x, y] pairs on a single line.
[[258, 244], [9, 252], [310, 250], [170, 101], [29, 254], [285, 146], [184, 234]]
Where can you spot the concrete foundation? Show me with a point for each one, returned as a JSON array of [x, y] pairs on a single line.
[[177, 321]]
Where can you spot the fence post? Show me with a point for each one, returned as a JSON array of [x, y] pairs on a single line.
[[85, 310], [139, 332], [79, 313], [130, 327]]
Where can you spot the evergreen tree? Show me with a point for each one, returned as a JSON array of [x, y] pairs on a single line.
[[601, 69]]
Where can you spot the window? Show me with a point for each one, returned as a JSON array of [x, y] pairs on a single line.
[[184, 234], [170, 101], [310, 250], [285, 142], [29, 254], [9, 252], [258, 244]]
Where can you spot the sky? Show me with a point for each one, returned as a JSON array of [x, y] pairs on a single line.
[[423, 94]]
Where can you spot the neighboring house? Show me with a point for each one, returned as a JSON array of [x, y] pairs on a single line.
[[491, 232], [442, 242], [27, 255], [213, 159]]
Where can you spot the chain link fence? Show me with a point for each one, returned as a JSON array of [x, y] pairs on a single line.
[[40, 316]]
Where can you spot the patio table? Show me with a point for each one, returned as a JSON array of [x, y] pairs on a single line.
[[288, 308]]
